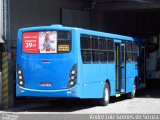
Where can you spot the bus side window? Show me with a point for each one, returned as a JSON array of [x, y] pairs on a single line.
[[85, 49], [95, 47], [85, 42], [110, 50], [86, 56], [103, 49], [129, 51]]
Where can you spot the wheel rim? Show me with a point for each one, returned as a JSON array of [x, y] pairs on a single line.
[[106, 95]]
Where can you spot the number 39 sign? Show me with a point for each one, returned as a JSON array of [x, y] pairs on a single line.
[[30, 42]]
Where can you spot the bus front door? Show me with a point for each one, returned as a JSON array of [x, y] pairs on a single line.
[[120, 68]]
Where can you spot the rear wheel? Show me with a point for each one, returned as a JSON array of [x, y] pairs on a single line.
[[106, 96]]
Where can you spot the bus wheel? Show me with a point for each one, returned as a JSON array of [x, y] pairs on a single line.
[[132, 94], [106, 96]]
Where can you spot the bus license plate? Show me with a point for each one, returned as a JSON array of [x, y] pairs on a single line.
[[47, 84]]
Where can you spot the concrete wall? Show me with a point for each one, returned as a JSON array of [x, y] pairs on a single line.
[[97, 20], [76, 18], [148, 21], [119, 22], [26, 13], [0, 53], [132, 23]]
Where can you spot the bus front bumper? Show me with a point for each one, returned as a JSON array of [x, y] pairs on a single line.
[[71, 92]]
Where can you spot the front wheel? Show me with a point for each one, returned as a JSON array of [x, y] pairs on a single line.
[[106, 96]]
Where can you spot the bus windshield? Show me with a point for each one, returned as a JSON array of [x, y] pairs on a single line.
[[46, 42]]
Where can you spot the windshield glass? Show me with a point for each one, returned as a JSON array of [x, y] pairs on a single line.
[[46, 42]]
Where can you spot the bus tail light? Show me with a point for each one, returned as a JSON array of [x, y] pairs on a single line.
[[20, 77], [72, 76]]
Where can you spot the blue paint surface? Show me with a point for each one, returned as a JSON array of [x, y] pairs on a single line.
[[90, 77]]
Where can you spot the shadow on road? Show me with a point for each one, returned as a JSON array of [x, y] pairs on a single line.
[[152, 90], [42, 105], [65, 105]]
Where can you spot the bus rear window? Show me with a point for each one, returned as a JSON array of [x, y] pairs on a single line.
[[46, 42]]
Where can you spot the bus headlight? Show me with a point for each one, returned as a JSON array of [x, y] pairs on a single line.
[[73, 76], [20, 77]]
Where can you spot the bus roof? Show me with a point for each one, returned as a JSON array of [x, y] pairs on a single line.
[[104, 34], [81, 30]]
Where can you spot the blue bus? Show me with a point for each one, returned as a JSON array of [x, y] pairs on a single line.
[[67, 62]]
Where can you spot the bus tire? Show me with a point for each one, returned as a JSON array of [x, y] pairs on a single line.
[[132, 94], [106, 96]]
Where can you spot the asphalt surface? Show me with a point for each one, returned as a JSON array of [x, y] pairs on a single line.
[[147, 101]]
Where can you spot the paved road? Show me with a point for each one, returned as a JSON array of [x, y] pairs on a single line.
[[146, 102]]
